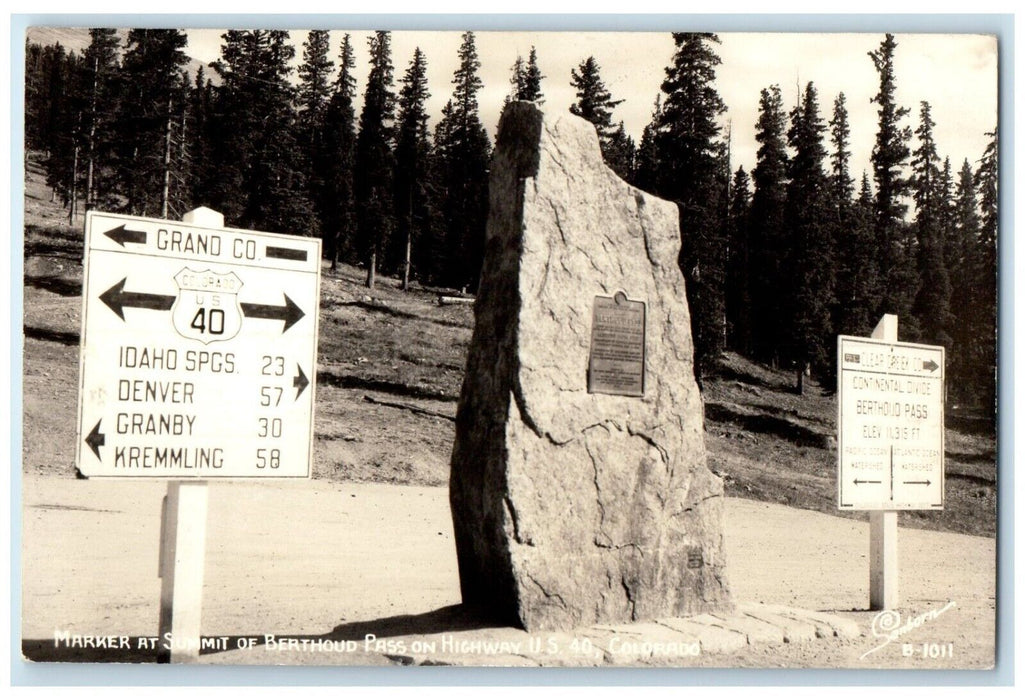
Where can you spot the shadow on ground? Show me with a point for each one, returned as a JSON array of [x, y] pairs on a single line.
[[62, 337], [57, 285], [772, 425], [350, 381]]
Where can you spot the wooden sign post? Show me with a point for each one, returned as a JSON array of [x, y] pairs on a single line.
[[883, 573], [182, 552]]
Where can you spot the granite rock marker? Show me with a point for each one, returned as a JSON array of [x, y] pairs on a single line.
[[579, 488]]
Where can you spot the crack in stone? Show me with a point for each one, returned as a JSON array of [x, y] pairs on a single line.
[[558, 222], [651, 441], [511, 509], [528, 420], [647, 248], [544, 279], [549, 596], [601, 506], [695, 504], [553, 139], [629, 598]]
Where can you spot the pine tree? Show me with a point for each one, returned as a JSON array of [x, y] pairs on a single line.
[[526, 79], [810, 267], [262, 181], [531, 91], [987, 179], [692, 158], [854, 238], [465, 153], [738, 291], [58, 131], [840, 136], [152, 85], [312, 98], [412, 163], [768, 233], [375, 159], [962, 258], [516, 80], [620, 153], [201, 136], [100, 66], [440, 257], [898, 278], [932, 305], [595, 104], [857, 269], [646, 160], [339, 157], [35, 91]]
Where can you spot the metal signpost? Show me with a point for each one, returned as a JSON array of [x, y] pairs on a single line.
[[198, 362], [890, 445]]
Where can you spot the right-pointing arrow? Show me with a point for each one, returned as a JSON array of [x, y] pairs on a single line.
[[930, 365], [300, 382], [96, 440], [920, 483]]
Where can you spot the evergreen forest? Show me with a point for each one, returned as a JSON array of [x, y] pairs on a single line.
[[778, 261]]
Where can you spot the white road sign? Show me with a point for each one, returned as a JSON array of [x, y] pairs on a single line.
[[198, 352], [890, 442]]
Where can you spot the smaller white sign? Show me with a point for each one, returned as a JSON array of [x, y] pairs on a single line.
[[890, 431]]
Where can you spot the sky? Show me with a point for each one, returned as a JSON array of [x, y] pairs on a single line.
[[955, 73]]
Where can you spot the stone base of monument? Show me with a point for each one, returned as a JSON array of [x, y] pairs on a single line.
[[579, 487], [671, 642]]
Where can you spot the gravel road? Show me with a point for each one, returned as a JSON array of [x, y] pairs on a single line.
[[303, 558]]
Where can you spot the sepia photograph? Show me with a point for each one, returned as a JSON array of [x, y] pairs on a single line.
[[345, 346]]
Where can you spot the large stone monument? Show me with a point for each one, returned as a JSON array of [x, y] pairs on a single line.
[[579, 488]]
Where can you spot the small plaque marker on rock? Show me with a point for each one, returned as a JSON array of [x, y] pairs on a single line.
[[617, 347], [573, 507]]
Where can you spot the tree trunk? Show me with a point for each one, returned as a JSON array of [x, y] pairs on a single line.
[[91, 145], [409, 247], [165, 194], [72, 208], [372, 270], [405, 269]]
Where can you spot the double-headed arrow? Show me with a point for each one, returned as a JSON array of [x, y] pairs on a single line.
[[116, 298]]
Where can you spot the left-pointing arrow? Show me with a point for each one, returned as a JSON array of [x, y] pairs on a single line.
[[117, 299], [96, 439], [122, 235]]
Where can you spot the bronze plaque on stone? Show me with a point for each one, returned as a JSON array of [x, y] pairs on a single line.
[[616, 364]]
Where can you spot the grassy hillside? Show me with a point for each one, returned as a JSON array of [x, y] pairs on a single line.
[[389, 373]]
